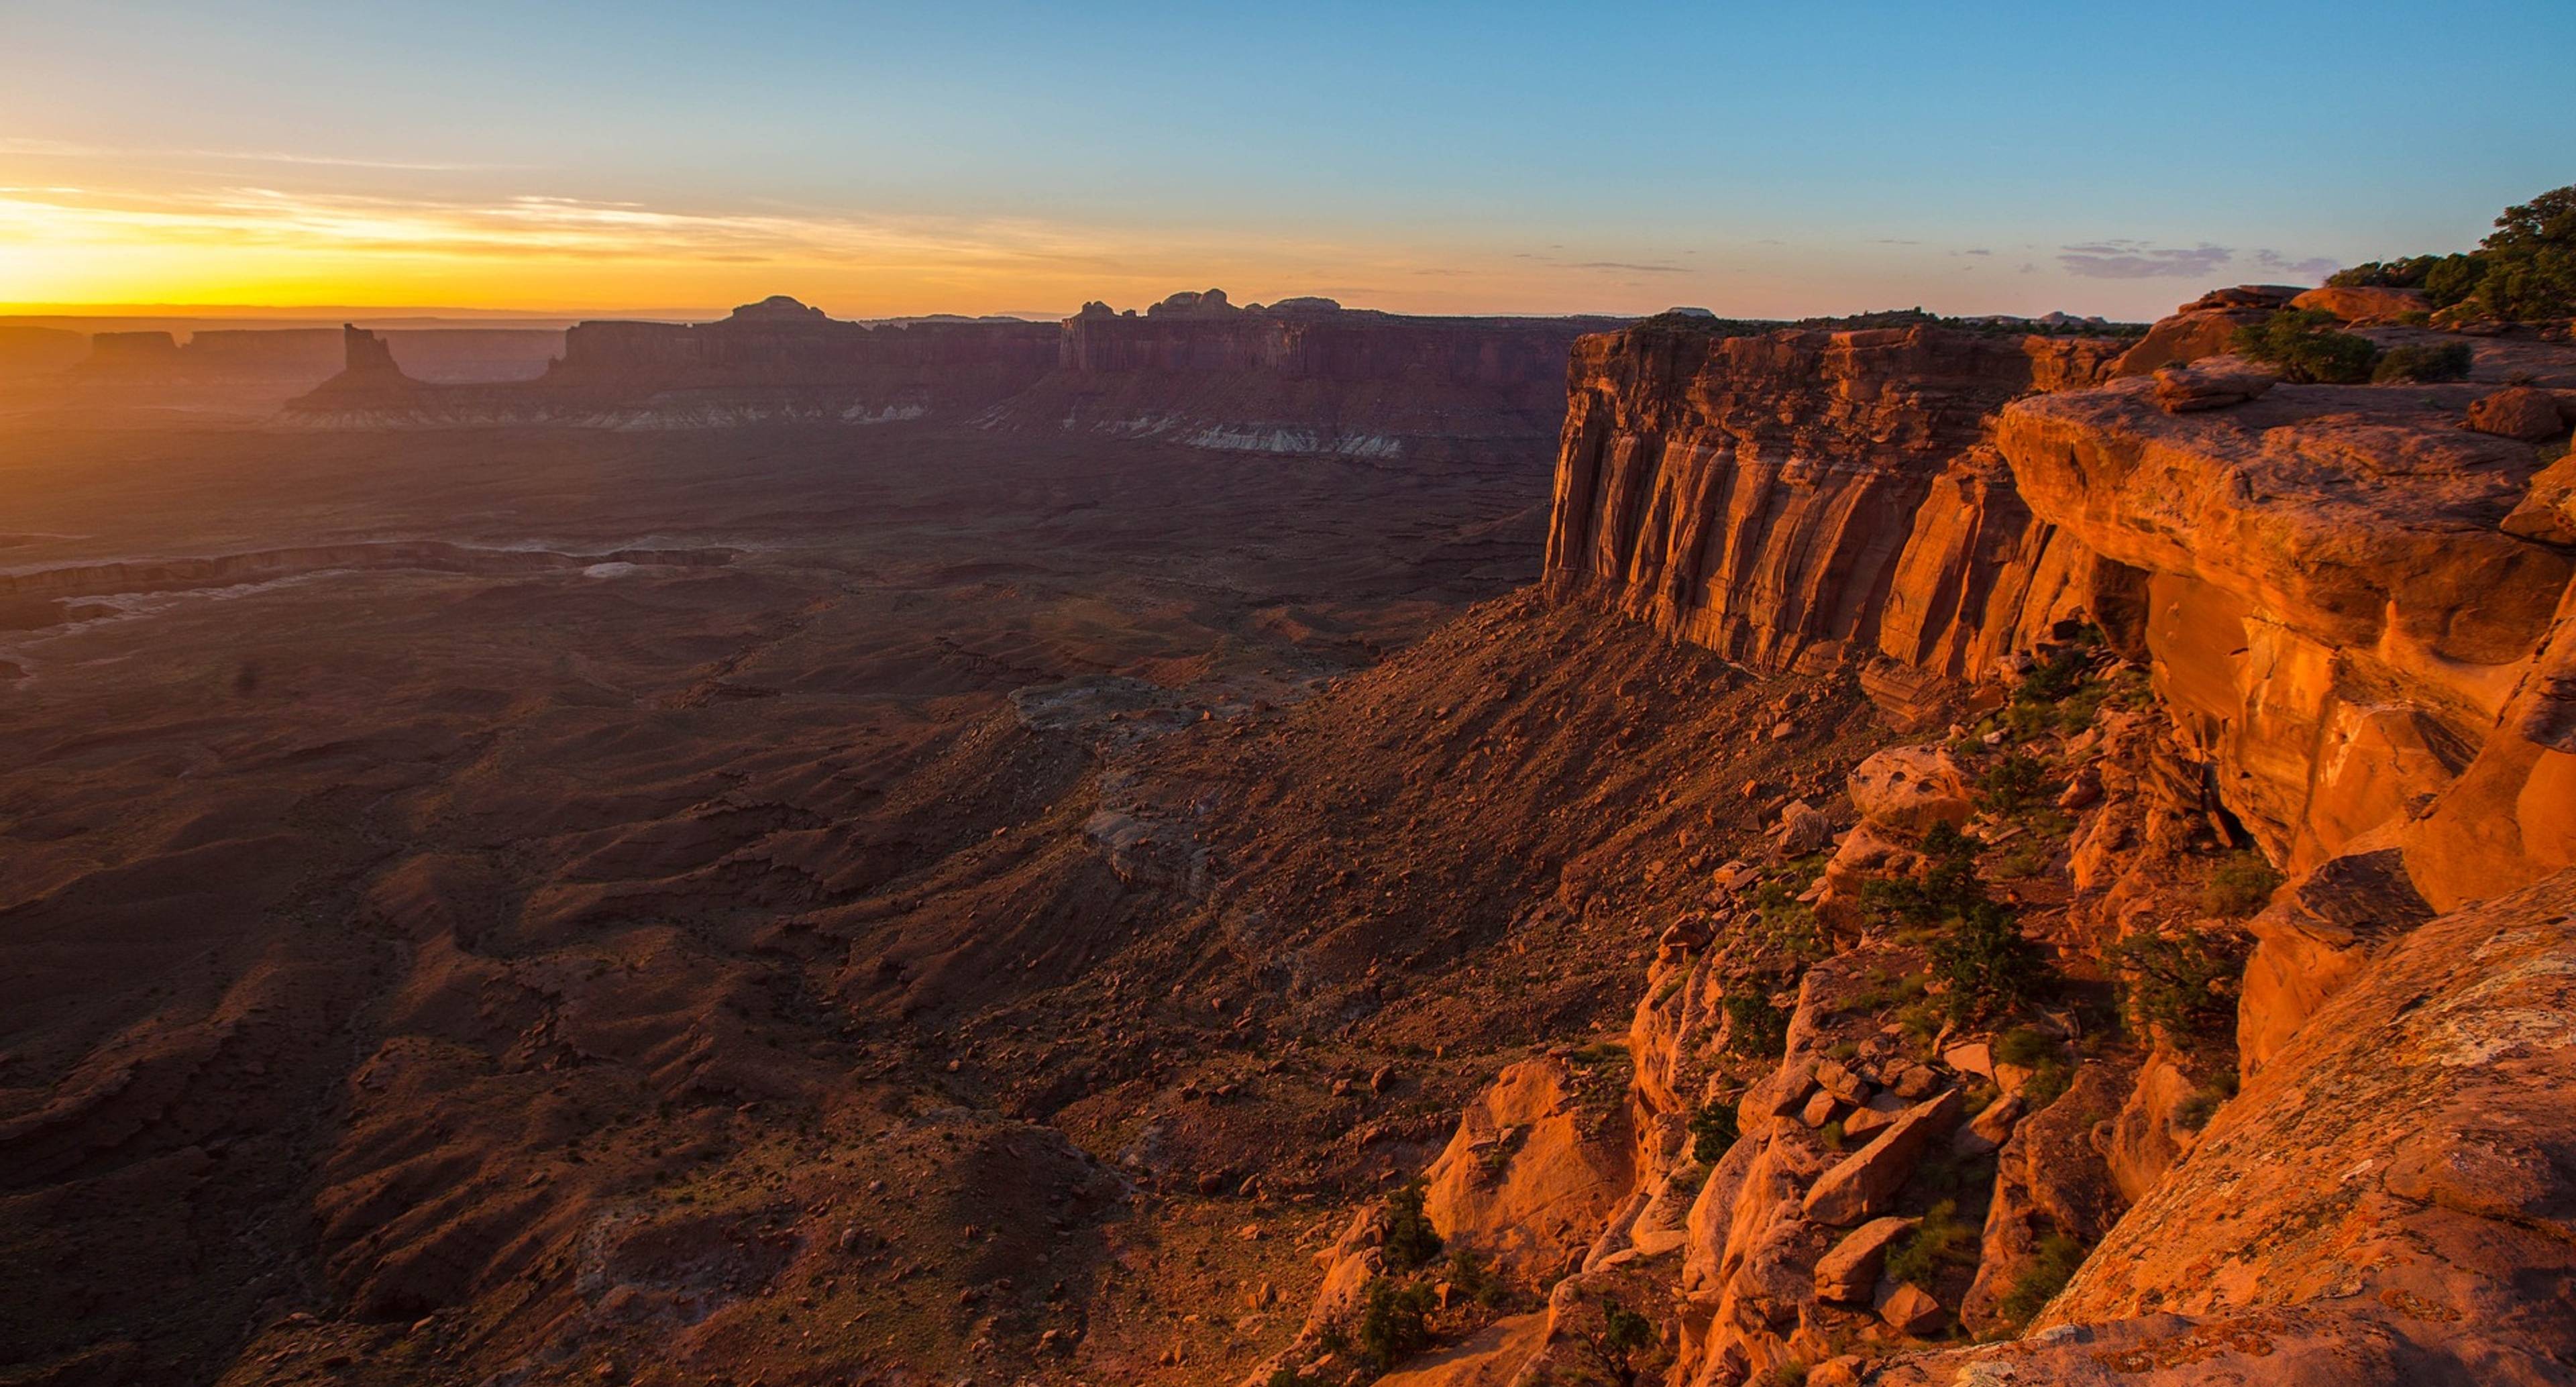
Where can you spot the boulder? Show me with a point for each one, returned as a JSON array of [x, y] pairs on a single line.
[[1909, 789], [1910, 1310], [2518, 411], [2547, 512], [2190, 389], [2365, 305], [1987, 1131], [1849, 1272], [1802, 829], [1868, 1180]]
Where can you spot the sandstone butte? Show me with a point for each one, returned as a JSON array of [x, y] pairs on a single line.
[[2309, 647]]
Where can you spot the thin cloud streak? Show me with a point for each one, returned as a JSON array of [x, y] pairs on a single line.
[[65, 149]]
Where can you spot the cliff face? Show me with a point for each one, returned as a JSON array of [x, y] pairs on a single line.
[[2313, 1128], [1810, 493]]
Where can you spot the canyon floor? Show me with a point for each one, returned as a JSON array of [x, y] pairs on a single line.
[[783, 906]]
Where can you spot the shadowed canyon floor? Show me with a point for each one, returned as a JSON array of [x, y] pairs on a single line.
[[774, 906]]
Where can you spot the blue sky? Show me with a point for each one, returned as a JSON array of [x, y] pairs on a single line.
[[1756, 159]]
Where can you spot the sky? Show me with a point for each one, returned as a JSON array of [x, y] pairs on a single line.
[[1760, 160]]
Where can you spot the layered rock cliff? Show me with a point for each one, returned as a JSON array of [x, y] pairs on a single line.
[[2192, 1010]]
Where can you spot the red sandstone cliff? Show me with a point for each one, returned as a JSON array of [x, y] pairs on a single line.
[[2334, 626]]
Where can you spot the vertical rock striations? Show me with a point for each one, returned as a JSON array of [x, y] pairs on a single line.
[[1806, 496]]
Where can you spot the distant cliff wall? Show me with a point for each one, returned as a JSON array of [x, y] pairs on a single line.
[[1305, 377]]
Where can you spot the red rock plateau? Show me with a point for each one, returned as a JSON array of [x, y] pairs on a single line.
[[1945, 853]]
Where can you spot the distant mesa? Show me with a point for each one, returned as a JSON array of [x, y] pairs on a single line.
[[778, 308], [1206, 303]]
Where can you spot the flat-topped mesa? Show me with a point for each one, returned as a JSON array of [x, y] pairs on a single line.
[[779, 342], [772, 361], [1759, 490], [1304, 375], [211, 357]]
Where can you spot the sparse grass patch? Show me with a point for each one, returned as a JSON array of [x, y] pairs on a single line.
[[1713, 1130], [2239, 885], [2183, 983], [2055, 1264], [1940, 1240]]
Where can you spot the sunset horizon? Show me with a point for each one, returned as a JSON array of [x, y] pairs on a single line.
[[1371, 693]]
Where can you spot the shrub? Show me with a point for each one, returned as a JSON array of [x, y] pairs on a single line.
[[2239, 885], [2453, 278], [1411, 1241], [2047, 1083], [2405, 272], [2012, 783], [2203, 1104], [1469, 1276], [2038, 1283], [1713, 1131], [1985, 961], [2024, 1047], [2304, 346], [2448, 362], [1755, 1028], [1395, 1322], [2180, 983], [2530, 270], [1940, 1240]]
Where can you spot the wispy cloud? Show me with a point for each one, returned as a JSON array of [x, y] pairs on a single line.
[[2140, 260], [518, 228], [66, 149], [2313, 267]]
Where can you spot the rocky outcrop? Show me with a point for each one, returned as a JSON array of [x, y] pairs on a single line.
[[2336, 619], [2388, 1202]]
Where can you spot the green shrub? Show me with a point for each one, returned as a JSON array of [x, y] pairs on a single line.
[[1468, 1276], [2048, 1082], [2203, 1104], [2181, 982], [2530, 272], [2239, 885], [2012, 783], [1940, 1240], [2024, 1047], [2304, 345], [2450, 361], [1713, 1131], [2057, 1258], [1411, 1241], [1986, 963], [1395, 1322], [1755, 1028], [2405, 272], [2453, 278]]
